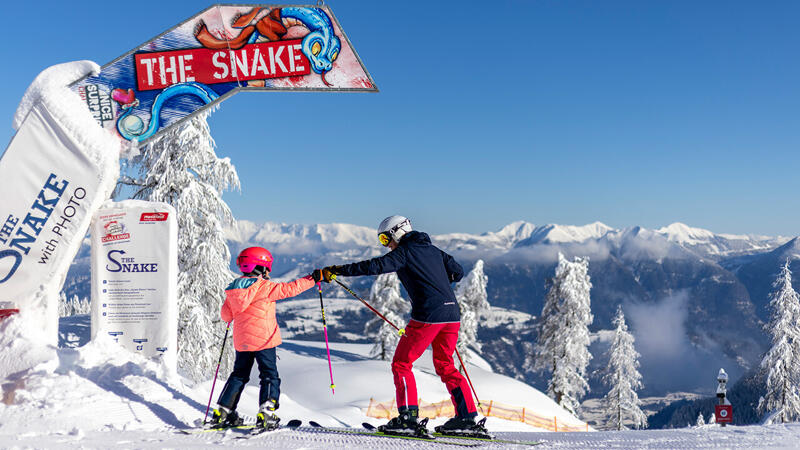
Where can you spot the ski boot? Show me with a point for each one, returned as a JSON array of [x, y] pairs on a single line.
[[222, 417], [406, 424], [464, 426], [266, 417]]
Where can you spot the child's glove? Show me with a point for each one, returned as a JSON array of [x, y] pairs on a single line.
[[317, 275]]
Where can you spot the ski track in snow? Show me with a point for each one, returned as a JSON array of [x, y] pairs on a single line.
[[98, 397], [773, 436]]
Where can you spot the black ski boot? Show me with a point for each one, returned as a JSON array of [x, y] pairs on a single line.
[[464, 426], [406, 424], [223, 418], [266, 417]]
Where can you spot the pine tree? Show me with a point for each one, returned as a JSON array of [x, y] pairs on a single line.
[[385, 297], [473, 302], [562, 347], [181, 168], [622, 376], [72, 306], [782, 361], [700, 420]]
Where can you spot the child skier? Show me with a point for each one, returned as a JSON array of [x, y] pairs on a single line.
[[250, 304], [426, 273]]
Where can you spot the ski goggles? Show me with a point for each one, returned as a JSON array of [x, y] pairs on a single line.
[[384, 238]]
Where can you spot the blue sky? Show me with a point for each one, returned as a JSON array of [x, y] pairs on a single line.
[[626, 112]]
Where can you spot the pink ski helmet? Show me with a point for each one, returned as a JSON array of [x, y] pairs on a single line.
[[252, 257]]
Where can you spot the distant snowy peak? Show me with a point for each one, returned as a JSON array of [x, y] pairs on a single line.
[[562, 234], [707, 243], [515, 231], [272, 233], [684, 234], [674, 240]]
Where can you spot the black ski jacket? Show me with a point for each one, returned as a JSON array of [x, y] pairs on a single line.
[[426, 273]]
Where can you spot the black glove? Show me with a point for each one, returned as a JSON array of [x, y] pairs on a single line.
[[317, 275], [330, 272]]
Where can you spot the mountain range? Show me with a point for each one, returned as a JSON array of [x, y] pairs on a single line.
[[695, 300]]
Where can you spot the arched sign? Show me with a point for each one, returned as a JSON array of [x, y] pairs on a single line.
[[218, 52]]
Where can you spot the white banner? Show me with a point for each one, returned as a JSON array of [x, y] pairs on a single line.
[[49, 188], [135, 277]]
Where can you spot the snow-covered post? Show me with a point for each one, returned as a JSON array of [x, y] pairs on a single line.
[[723, 411]]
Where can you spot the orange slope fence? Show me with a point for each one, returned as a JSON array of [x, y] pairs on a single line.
[[444, 408]]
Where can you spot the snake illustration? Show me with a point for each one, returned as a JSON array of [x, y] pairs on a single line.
[[131, 126], [321, 45]]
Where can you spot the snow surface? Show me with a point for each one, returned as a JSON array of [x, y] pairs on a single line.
[[101, 396]]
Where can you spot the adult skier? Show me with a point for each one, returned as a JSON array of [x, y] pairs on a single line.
[[250, 304], [426, 273]]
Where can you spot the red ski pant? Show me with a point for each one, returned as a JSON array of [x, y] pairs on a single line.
[[442, 337]]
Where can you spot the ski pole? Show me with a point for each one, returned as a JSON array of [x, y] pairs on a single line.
[[325, 331], [468, 379], [400, 331], [217, 372]]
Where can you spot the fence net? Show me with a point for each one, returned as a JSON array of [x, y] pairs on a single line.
[[444, 408]]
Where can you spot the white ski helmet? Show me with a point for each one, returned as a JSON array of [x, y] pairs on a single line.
[[393, 228]]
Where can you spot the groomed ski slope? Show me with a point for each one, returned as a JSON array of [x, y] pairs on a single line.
[[97, 396]]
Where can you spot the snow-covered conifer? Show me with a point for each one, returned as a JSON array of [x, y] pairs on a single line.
[[473, 302], [385, 297], [700, 420], [621, 403], [72, 306], [181, 168], [562, 346], [782, 361]]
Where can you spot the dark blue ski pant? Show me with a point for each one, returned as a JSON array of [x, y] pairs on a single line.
[[267, 373]]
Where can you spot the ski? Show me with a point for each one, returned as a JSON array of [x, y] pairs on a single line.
[[249, 428], [315, 427], [487, 438], [290, 425]]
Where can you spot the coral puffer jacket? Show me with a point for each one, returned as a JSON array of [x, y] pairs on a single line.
[[250, 303]]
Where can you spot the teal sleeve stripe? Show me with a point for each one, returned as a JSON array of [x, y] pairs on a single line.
[[241, 283]]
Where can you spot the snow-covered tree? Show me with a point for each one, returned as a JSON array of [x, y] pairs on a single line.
[[782, 361], [712, 419], [385, 297], [72, 306], [621, 403], [181, 168], [700, 420], [562, 346], [473, 302]]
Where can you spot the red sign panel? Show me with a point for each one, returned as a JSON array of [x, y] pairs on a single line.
[[7, 312], [153, 217], [210, 66], [723, 413]]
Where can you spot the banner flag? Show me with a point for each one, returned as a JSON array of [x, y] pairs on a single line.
[[218, 52], [51, 185], [135, 277]]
